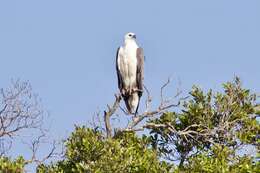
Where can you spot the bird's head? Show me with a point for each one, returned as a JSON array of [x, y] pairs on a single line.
[[130, 36]]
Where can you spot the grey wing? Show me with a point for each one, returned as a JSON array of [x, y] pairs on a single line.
[[119, 77], [140, 69]]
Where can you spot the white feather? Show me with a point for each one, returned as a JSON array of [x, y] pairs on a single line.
[[127, 66], [133, 101], [127, 63]]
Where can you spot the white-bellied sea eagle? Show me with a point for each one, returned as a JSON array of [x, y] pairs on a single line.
[[130, 72]]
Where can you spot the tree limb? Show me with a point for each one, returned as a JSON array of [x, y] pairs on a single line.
[[109, 113]]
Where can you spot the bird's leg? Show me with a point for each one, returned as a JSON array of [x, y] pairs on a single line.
[[137, 90], [130, 90], [123, 91]]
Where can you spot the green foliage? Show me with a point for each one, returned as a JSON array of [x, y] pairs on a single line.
[[219, 160], [207, 121], [9, 166], [88, 151], [205, 134]]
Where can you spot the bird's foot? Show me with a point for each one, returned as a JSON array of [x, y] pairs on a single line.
[[123, 92], [137, 90]]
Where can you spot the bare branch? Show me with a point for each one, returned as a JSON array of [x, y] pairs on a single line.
[[123, 110], [163, 106], [162, 89], [109, 113], [35, 145], [139, 118], [20, 111], [148, 99]]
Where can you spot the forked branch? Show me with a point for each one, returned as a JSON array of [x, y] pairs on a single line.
[[164, 105]]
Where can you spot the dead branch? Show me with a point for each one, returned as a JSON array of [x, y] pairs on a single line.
[[109, 113], [139, 118], [163, 106], [186, 133], [162, 89], [148, 99], [34, 146], [20, 111]]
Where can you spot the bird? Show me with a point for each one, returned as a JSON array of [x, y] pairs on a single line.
[[130, 72]]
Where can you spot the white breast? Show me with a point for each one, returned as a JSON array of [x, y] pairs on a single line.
[[127, 62]]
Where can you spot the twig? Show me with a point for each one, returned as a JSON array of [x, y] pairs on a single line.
[[162, 88], [148, 99]]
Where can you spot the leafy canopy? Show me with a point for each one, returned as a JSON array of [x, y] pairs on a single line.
[[88, 151], [7, 165], [208, 132]]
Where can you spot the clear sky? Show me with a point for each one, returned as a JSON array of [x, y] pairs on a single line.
[[66, 49]]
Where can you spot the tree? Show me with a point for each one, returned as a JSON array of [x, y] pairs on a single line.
[[89, 151], [204, 132], [210, 131], [9, 166], [21, 113]]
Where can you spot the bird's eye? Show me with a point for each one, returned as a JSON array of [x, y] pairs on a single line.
[[130, 35]]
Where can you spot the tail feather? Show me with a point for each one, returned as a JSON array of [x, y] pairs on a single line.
[[132, 102], [136, 111], [126, 98]]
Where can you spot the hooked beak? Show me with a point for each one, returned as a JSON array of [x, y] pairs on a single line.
[[134, 36]]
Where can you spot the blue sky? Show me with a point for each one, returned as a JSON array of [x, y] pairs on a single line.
[[66, 49]]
